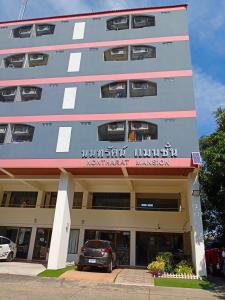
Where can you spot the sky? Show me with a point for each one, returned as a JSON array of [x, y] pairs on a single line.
[[207, 40]]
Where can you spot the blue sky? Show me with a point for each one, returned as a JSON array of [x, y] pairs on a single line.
[[207, 32]]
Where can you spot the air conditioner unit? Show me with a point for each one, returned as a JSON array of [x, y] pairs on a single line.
[[16, 59], [24, 31], [41, 28], [118, 51], [116, 127], [20, 130], [35, 57], [8, 93], [118, 86], [119, 21], [139, 85], [3, 130], [29, 91], [140, 20], [139, 50], [139, 126]]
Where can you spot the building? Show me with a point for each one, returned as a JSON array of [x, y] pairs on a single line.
[[98, 136]]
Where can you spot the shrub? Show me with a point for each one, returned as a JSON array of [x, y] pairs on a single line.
[[156, 267], [168, 258], [183, 267]]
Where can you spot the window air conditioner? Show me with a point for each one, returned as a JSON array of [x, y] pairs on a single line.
[[140, 50], [8, 93], [118, 51], [116, 127], [16, 59], [139, 126], [139, 86], [35, 57], [119, 21], [20, 130], [41, 28], [2, 130], [29, 91], [118, 86]]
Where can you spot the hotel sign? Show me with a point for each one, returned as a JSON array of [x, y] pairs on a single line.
[[117, 157], [113, 152]]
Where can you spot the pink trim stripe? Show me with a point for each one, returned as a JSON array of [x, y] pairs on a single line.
[[98, 117], [83, 163], [91, 78], [97, 44], [94, 15]]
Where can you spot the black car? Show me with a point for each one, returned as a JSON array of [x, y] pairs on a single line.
[[97, 253]]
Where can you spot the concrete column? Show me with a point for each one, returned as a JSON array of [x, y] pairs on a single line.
[[132, 247], [39, 199], [85, 199], [197, 240], [132, 201], [32, 241], [81, 239], [61, 225]]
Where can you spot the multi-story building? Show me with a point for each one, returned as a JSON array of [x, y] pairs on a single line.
[[98, 136]]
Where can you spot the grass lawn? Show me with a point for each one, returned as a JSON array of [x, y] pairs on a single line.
[[184, 283], [55, 273]]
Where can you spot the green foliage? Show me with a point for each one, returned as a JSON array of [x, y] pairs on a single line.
[[212, 178], [55, 273], [157, 267], [183, 268], [167, 258], [184, 283]]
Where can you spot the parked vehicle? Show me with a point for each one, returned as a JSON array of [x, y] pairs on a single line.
[[214, 258], [7, 249], [97, 253]]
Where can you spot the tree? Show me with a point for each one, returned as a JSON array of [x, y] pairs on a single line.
[[212, 178]]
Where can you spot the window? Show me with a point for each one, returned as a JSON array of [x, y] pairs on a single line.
[[22, 32], [116, 54], [30, 93], [141, 88], [157, 202], [3, 130], [8, 94], [22, 133], [21, 199], [140, 21], [73, 241], [50, 200], [44, 29], [141, 52], [4, 241], [112, 132], [118, 23], [37, 59], [77, 200], [15, 61], [117, 89], [140, 131], [118, 201], [27, 30]]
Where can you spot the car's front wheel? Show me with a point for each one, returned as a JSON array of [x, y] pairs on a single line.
[[110, 267], [9, 257]]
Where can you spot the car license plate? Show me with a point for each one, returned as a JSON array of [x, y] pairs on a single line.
[[92, 261]]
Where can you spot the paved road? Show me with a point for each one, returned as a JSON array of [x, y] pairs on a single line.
[[33, 288]]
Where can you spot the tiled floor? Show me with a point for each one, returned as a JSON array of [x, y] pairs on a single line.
[[135, 277]]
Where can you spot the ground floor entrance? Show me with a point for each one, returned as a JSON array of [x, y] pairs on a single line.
[[119, 239], [149, 245], [20, 236], [42, 243]]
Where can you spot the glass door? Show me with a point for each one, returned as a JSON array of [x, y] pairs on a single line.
[[42, 243]]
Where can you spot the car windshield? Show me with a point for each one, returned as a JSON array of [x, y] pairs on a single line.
[[96, 244]]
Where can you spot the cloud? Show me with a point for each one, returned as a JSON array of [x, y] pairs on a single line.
[[210, 94]]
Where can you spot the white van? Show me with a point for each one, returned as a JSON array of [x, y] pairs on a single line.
[[7, 249]]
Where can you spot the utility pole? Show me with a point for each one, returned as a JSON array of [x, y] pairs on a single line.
[[22, 9]]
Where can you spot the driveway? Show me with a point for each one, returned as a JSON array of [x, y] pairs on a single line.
[[36, 288], [20, 268], [91, 275]]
